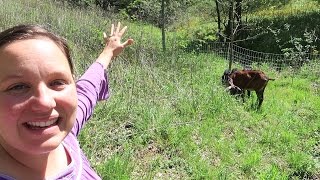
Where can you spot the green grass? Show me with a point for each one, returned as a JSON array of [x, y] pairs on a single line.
[[291, 9], [168, 116]]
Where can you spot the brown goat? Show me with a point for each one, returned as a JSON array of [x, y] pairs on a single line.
[[241, 80]]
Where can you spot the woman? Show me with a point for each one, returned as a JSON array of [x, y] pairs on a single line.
[[42, 108]]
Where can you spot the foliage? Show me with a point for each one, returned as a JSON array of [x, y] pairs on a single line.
[[253, 5], [286, 32], [263, 19], [104, 4], [77, 3], [168, 116], [142, 10], [301, 48], [117, 4], [203, 36], [149, 10]]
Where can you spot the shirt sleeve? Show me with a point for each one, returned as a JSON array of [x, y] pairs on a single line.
[[92, 87]]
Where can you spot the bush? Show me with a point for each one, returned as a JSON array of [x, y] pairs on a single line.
[[284, 32]]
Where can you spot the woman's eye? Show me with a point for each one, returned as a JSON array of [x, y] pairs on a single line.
[[18, 88], [58, 84]]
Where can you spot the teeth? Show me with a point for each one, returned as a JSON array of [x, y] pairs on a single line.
[[42, 124]]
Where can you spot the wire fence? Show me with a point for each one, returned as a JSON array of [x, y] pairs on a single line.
[[254, 59]]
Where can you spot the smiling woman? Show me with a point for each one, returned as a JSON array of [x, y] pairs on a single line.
[[42, 108]]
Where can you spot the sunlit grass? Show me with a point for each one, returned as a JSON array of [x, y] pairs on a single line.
[[293, 8], [168, 115]]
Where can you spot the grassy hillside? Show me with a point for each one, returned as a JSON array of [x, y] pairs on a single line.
[[278, 27], [168, 116], [296, 26]]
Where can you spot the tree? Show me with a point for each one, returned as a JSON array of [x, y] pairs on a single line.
[[116, 4], [235, 30], [220, 38], [231, 32], [163, 25]]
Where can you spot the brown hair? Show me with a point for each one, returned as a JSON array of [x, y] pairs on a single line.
[[24, 32]]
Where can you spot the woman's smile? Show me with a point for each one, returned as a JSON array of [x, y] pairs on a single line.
[[41, 124], [38, 103]]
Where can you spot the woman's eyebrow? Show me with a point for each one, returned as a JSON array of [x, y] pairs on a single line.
[[10, 77]]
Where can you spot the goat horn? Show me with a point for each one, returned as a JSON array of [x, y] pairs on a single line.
[[228, 88], [238, 88]]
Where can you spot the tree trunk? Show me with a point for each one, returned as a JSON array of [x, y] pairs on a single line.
[[163, 26], [231, 31], [238, 13], [219, 21]]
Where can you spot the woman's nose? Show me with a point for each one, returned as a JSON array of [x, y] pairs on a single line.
[[43, 99]]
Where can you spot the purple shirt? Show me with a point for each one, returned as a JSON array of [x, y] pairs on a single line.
[[91, 88]]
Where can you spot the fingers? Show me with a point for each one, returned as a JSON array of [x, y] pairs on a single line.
[[118, 28], [123, 30], [112, 28], [127, 43], [117, 31]]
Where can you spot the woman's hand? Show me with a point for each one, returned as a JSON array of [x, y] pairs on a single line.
[[113, 44]]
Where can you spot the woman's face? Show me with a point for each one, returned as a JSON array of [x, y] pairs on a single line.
[[38, 97]]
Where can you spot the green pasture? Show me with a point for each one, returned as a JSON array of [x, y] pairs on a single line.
[[169, 117]]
